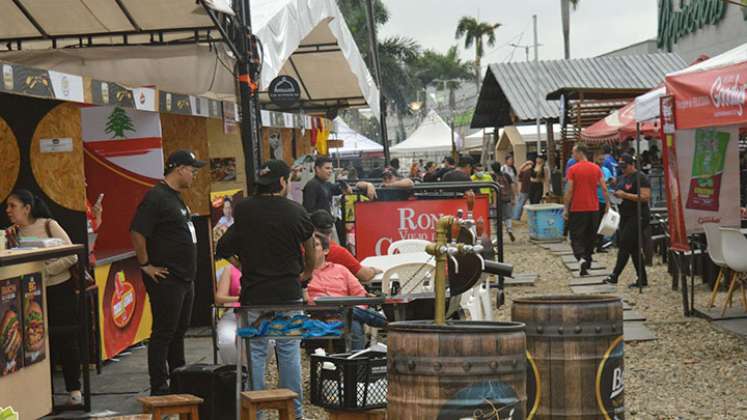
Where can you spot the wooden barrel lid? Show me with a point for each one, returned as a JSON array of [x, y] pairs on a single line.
[[458, 327]]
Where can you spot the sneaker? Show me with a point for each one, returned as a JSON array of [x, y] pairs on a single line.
[[611, 280], [76, 398], [511, 236], [156, 392], [636, 285]]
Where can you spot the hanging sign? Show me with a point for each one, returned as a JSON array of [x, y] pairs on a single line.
[[676, 223], [284, 91]]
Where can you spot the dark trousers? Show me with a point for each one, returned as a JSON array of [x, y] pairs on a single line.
[[62, 311], [582, 226], [535, 192], [628, 246], [171, 302]]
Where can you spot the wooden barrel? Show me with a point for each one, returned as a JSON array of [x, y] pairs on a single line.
[[465, 369], [575, 356]]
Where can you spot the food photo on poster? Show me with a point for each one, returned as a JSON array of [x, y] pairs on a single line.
[[33, 318], [11, 340]]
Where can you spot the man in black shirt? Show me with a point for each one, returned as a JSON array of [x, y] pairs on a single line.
[[431, 171], [318, 192], [448, 165], [463, 171], [628, 231], [164, 239], [268, 235]]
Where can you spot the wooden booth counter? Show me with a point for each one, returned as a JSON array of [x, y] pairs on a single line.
[[25, 382]]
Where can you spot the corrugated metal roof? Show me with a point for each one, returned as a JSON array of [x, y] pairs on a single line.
[[508, 88]]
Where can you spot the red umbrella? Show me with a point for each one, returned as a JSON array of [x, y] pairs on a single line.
[[618, 126]]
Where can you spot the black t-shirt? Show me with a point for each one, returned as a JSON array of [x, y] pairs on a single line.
[[455, 175], [629, 208], [443, 171], [430, 177], [268, 234], [164, 220], [317, 194]]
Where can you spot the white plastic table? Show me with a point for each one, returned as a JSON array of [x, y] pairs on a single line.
[[385, 262]]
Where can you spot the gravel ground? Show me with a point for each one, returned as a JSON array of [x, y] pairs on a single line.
[[692, 371]]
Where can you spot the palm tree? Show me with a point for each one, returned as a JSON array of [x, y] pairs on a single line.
[[396, 55], [565, 11], [473, 33]]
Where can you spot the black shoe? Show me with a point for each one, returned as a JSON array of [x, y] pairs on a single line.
[[611, 280], [585, 265], [511, 236], [636, 285], [155, 392], [601, 250]]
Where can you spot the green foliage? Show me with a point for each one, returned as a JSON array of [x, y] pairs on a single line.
[[432, 65], [118, 122], [474, 32]]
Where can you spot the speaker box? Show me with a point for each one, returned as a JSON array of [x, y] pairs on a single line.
[[216, 384]]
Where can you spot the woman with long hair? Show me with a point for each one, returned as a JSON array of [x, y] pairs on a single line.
[[30, 217], [538, 180]]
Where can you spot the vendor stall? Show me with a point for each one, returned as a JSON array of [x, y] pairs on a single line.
[[433, 139]]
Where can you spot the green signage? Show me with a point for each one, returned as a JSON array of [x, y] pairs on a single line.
[[690, 17]]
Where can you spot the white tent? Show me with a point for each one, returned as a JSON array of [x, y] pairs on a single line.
[[647, 105], [528, 134], [432, 137], [354, 143], [171, 44]]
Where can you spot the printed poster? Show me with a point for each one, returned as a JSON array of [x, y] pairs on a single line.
[[708, 170], [34, 342], [11, 327]]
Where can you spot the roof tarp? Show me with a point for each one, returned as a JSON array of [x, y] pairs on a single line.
[[508, 90], [308, 40], [432, 136], [354, 143], [618, 126]]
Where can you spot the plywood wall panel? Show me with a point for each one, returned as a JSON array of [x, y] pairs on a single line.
[[190, 133], [223, 145]]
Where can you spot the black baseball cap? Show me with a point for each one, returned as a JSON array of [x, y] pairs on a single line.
[[183, 158], [627, 159], [322, 220], [271, 171]]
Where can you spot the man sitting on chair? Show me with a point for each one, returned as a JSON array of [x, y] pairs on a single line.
[[330, 279]]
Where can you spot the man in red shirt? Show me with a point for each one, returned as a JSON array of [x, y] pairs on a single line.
[[582, 205], [324, 223]]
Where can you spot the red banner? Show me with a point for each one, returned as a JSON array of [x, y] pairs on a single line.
[[677, 232], [710, 98], [379, 223]]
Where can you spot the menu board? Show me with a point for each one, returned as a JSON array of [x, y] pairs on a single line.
[[33, 318], [11, 328]]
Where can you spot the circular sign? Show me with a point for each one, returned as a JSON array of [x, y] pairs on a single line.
[[284, 91], [609, 384]]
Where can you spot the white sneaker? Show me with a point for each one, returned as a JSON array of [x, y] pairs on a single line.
[[76, 398]]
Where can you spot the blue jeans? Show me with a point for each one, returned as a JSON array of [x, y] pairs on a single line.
[[289, 362], [519, 208], [364, 316]]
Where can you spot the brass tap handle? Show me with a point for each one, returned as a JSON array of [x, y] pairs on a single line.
[[480, 228], [470, 196]]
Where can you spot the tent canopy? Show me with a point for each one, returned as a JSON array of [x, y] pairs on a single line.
[[355, 143], [432, 136], [174, 45], [618, 126]]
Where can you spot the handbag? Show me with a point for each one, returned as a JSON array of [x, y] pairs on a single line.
[[74, 274]]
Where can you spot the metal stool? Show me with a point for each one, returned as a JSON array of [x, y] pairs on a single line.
[[166, 405], [271, 399]]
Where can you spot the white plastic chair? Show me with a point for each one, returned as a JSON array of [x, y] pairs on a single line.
[[733, 244], [713, 237], [412, 277], [407, 246], [471, 305]]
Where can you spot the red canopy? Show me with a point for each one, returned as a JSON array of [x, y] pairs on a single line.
[[618, 126]]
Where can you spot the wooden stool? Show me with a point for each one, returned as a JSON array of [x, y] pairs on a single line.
[[271, 399], [165, 405], [379, 414]]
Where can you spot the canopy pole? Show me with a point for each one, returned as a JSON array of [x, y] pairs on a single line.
[[248, 81], [639, 205], [373, 46]]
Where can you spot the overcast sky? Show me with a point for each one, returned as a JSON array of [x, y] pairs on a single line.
[[597, 26]]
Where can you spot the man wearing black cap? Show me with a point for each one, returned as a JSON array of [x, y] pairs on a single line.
[[627, 233], [165, 241], [462, 173], [268, 235]]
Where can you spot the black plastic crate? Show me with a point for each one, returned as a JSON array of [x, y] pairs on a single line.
[[349, 384]]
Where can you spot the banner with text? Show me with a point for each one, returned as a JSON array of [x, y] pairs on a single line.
[[710, 98], [379, 223]]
